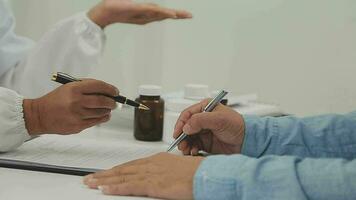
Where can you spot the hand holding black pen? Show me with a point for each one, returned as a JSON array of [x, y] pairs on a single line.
[[70, 108], [63, 78]]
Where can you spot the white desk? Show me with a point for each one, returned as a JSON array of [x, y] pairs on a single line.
[[19, 184], [29, 185]]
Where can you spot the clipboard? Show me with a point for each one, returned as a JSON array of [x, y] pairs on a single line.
[[75, 154]]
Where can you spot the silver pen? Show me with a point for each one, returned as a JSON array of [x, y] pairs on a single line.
[[210, 107]]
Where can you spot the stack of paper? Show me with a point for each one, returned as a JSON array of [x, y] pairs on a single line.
[[73, 151]]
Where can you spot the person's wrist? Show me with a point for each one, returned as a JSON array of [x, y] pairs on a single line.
[[253, 133], [239, 129], [99, 16], [32, 116]]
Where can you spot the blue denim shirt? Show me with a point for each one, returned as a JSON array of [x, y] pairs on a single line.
[[285, 158]]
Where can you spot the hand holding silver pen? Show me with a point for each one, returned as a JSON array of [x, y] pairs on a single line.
[[210, 107], [220, 131]]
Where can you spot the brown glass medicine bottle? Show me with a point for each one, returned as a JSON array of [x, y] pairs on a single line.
[[148, 124]]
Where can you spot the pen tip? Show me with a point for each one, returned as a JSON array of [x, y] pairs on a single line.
[[54, 77], [169, 149], [143, 107]]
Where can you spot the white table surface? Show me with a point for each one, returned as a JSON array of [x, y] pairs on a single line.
[[30, 185]]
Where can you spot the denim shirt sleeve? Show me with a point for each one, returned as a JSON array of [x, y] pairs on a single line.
[[275, 177], [320, 136]]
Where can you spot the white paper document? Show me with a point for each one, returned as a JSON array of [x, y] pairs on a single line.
[[81, 152]]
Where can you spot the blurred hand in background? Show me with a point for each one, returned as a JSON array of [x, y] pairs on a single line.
[[127, 11]]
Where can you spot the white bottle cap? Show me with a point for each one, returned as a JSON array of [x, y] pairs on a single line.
[[196, 91], [178, 105], [149, 90]]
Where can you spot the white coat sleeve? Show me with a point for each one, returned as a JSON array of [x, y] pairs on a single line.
[[13, 132], [74, 46]]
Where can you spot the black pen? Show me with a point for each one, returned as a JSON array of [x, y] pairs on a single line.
[[64, 78], [33, 166]]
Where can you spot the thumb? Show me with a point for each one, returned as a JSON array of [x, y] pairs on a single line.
[[206, 120]]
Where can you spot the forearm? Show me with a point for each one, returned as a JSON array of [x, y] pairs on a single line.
[[272, 177], [320, 136]]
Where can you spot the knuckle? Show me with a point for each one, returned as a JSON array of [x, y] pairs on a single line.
[[74, 88], [185, 115], [205, 101], [194, 120], [185, 112], [73, 96]]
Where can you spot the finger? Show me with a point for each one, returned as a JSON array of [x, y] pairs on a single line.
[[182, 14], [178, 128], [92, 178], [112, 180], [186, 114], [92, 86], [206, 141], [127, 168], [158, 11], [90, 113], [183, 145], [186, 151], [167, 13], [152, 4], [92, 122], [193, 142], [158, 18], [98, 101], [207, 120], [177, 14], [194, 151], [148, 18], [105, 173], [131, 188], [197, 108]]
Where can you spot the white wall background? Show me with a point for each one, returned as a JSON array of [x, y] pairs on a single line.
[[300, 54]]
